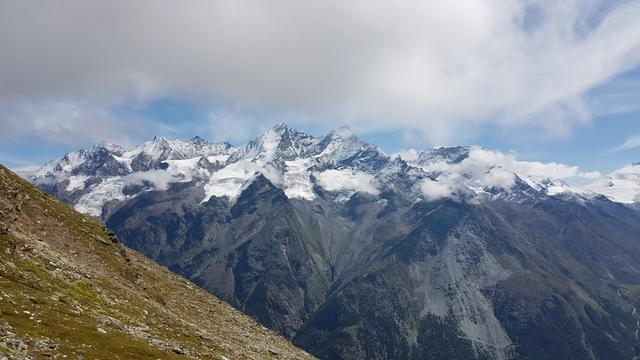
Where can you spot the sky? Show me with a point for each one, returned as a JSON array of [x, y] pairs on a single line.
[[545, 80]]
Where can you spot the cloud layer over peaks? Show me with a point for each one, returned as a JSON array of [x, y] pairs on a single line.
[[486, 169], [441, 68]]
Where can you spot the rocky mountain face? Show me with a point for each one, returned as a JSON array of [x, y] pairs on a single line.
[[70, 289], [354, 254]]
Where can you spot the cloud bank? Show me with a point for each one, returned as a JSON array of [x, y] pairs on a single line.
[[443, 69], [487, 169], [337, 180]]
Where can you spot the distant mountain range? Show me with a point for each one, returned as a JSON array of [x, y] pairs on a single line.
[[296, 163], [451, 253]]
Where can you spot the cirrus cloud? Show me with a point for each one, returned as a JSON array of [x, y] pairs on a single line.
[[631, 142]]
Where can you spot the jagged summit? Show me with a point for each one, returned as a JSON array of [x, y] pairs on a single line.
[[451, 155], [111, 147], [343, 132], [159, 139], [276, 144], [281, 127]]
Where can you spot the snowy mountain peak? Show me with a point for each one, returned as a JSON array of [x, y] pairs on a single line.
[[450, 155], [161, 149], [340, 145], [277, 144], [280, 128], [282, 143], [276, 134], [198, 141], [158, 145], [343, 132], [111, 147]]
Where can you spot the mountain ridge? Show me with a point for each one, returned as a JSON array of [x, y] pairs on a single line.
[[292, 160]]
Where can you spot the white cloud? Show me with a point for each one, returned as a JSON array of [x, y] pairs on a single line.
[[440, 68], [632, 142], [338, 180], [230, 126], [64, 122], [486, 169], [622, 185], [483, 158], [160, 179], [27, 170], [434, 190], [590, 175], [481, 170], [408, 155]]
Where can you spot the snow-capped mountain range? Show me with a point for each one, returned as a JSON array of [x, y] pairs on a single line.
[[302, 165]]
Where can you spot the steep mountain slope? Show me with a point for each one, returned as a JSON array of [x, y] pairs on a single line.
[[69, 288], [458, 253]]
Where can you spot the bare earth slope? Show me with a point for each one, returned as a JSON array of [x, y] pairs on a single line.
[[69, 287]]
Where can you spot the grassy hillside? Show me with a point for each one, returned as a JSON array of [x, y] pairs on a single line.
[[70, 289]]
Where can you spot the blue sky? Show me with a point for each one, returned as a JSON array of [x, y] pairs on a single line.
[[548, 80]]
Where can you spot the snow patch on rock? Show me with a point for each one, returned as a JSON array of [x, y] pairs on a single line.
[[230, 180], [297, 180], [93, 202], [76, 182]]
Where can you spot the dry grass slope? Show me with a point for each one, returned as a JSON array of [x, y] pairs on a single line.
[[70, 289]]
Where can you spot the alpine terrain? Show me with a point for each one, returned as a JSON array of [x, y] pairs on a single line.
[[70, 289], [452, 253]]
